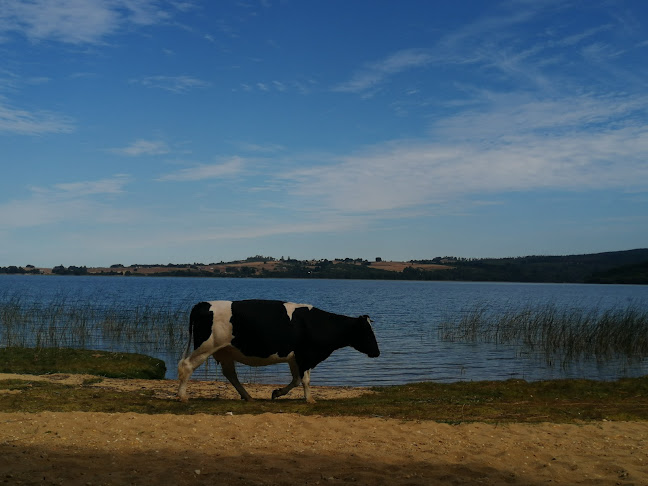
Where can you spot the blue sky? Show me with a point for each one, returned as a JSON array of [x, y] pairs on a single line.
[[146, 131]]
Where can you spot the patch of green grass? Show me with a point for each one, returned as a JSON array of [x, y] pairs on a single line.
[[558, 401], [38, 361]]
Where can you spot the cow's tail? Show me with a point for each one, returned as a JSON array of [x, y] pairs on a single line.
[[188, 347]]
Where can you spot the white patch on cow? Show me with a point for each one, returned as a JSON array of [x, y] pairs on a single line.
[[221, 324], [291, 306]]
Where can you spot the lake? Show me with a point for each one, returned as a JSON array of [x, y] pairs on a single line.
[[405, 314]]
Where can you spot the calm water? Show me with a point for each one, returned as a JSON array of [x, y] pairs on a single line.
[[405, 314]]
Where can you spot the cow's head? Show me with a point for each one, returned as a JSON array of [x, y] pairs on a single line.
[[364, 339]]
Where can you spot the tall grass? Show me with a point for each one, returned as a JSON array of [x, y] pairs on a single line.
[[566, 335], [63, 322]]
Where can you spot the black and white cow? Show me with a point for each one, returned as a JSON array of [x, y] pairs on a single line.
[[265, 332]]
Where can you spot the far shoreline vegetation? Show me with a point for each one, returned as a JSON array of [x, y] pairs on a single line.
[[620, 267]]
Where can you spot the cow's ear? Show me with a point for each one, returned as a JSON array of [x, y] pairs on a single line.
[[367, 317]]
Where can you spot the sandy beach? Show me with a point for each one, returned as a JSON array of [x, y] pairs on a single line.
[[135, 449]]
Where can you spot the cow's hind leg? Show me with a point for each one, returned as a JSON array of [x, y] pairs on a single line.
[[186, 367], [229, 371], [280, 392]]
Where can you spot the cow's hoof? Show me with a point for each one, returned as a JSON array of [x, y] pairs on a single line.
[[183, 399], [275, 394]]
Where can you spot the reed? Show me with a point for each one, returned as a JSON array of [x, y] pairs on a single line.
[[66, 323], [563, 335]]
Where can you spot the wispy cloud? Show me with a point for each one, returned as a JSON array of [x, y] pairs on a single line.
[[601, 52], [201, 172], [143, 147], [592, 144], [112, 185], [375, 73], [24, 122], [499, 116], [175, 84], [574, 39], [276, 86], [491, 44], [75, 21], [260, 148], [407, 175], [262, 230], [79, 201], [463, 46]]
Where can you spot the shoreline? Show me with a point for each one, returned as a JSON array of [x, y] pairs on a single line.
[[166, 388]]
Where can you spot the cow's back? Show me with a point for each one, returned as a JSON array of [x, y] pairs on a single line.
[[262, 328]]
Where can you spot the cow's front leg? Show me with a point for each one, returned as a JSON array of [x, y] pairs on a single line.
[[229, 371], [294, 369], [306, 384]]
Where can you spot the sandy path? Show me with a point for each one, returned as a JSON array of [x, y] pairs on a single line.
[[97, 449], [90, 449]]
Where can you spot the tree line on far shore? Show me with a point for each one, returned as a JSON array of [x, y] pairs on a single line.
[[626, 267]]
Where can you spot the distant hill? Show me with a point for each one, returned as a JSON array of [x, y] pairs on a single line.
[[626, 274], [625, 267], [609, 267]]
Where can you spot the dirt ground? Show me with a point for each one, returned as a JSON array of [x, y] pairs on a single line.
[[89, 449], [167, 389]]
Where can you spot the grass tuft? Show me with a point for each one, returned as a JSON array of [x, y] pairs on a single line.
[[38, 361]]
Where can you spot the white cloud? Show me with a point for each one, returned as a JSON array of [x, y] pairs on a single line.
[[183, 6], [113, 185], [77, 202], [38, 211], [502, 115], [561, 144], [144, 147], [483, 42], [574, 39], [260, 148], [175, 84], [75, 21], [201, 172], [600, 52], [261, 231], [23, 122], [492, 44], [374, 73], [276, 86], [71, 21]]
